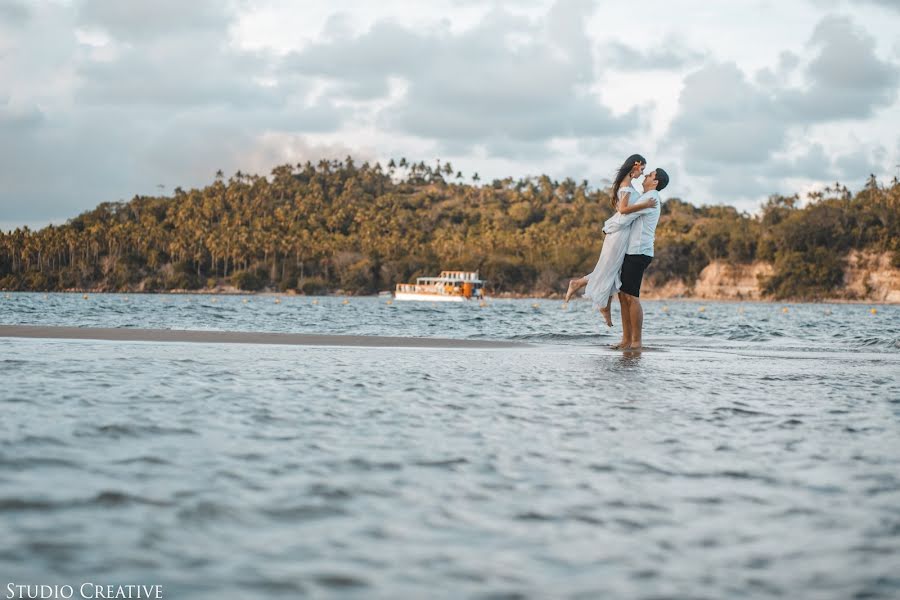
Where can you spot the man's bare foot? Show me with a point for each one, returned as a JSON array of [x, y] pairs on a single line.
[[607, 316], [573, 287]]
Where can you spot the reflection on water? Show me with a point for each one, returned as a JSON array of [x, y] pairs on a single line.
[[631, 359], [732, 458]]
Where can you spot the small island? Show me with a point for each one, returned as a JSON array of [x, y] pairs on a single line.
[[337, 226]]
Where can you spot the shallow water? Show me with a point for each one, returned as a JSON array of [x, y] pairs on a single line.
[[751, 453], [802, 327]]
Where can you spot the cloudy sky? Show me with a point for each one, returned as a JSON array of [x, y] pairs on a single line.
[[104, 99]]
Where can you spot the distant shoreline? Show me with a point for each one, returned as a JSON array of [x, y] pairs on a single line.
[[501, 296]]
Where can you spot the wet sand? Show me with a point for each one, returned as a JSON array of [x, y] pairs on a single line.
[[241, 337]]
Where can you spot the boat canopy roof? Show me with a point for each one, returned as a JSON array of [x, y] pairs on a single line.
[[452, 277], [464, 275]]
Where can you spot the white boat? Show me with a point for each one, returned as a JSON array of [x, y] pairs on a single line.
[[450, 286]]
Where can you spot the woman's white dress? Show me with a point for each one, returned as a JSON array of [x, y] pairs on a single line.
[[604, 280]]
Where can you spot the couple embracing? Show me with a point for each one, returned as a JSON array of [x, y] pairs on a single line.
[[627, 249]]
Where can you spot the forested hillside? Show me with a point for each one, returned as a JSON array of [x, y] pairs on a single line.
[[362, 228]]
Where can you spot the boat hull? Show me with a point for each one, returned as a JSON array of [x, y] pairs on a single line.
[[411, 296]]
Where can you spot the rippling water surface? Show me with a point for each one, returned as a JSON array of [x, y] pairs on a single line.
[[753, 451]]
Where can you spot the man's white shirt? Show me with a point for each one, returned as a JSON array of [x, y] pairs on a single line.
[[643, 231]]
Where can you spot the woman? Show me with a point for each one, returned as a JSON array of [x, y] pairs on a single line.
[[604, 280]]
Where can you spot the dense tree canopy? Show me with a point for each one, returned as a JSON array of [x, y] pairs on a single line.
[[362, 228]]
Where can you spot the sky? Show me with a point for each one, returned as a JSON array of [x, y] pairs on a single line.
[[102, 100]]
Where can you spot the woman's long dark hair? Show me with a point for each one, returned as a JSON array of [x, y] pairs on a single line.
[[624, 170]]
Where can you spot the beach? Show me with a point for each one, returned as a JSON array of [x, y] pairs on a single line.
[[240, 337]]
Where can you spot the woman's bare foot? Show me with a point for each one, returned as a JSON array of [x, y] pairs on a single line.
[[635, 346], [573, 287], [620, 346], [607, 316]]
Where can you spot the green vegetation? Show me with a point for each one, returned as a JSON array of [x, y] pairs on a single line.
[[360, 229]]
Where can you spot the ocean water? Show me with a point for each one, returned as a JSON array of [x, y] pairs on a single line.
[[752, 452]]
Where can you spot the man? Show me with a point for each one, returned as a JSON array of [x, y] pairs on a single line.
[[638, 255]]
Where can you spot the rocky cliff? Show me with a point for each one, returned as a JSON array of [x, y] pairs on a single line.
[[868, 277]]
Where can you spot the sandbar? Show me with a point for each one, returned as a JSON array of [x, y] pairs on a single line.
[[125, 334]]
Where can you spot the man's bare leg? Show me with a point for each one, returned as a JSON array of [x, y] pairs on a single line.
[[607, 312], [626, 322], [574, 286], [636, 321]]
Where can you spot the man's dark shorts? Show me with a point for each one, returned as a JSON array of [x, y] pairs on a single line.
[[633, 273]]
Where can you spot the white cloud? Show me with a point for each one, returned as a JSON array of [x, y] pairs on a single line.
[[765, 131], [508, 78], [725, 119], [13, 12], [845, 79], [136, 20], [666, 55], [101, 100]]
